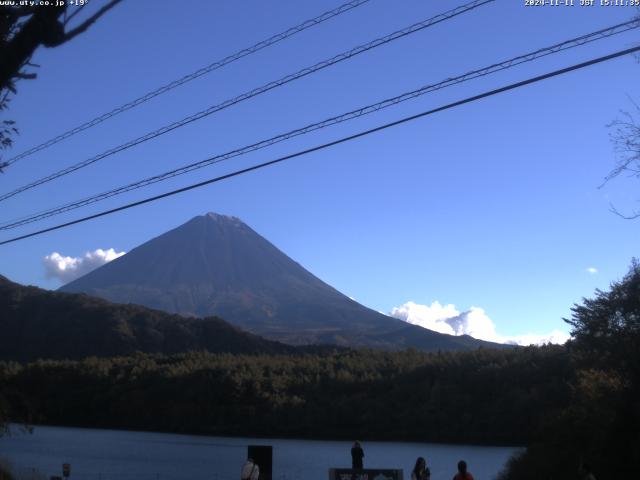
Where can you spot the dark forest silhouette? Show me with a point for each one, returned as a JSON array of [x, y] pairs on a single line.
[[569, 403]]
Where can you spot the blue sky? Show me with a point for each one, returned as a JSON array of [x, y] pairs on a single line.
[[493, 205]]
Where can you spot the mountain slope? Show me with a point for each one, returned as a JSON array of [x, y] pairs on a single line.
[[36, 323], [217, 265]]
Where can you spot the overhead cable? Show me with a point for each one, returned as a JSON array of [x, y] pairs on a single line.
[[496, 67], [192, 76], [324, 146], [257, 91]]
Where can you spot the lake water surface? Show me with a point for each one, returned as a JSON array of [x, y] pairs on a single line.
[[112, 455]]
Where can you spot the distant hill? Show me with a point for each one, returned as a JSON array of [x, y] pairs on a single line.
[[36, 323], [217, 265]]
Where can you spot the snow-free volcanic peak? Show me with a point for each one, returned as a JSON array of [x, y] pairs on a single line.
[[217, 265]]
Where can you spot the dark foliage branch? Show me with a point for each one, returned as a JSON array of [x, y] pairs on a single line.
[[86, 24], [22, 30], [600, 425], [45, 26], [607, 328]]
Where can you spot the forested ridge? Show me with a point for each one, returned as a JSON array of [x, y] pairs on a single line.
[[37, 323], [486, 396]]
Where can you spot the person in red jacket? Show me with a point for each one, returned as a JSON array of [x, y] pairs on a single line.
[[462, 472]]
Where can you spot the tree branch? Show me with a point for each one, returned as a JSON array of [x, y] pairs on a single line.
[[17, 12], [626, 141], [87, 23], [25, 76], [70, 17], [633, 216]]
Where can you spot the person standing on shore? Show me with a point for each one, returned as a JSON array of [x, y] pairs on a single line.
[[420, 471], [250, 470], [462, 472], [357, 454]]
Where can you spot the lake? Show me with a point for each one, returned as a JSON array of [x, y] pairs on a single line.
[[123, 455]]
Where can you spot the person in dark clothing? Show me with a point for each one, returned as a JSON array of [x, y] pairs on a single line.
[[462, 472], [420, 471], [357, 454]]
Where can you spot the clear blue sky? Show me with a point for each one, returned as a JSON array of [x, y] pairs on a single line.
[[494, 204]]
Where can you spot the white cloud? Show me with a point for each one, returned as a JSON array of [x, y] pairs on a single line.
[[556, 336], [592, 270], [433, 317], [68, 269], [474, 322]]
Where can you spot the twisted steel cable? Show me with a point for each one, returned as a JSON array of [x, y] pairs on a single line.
[[339, 141], [496, 67], [192, 76], [257, 91]]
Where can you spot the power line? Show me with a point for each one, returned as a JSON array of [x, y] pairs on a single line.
[[257, 91], [236, 173], [192, 76], [528, 57]]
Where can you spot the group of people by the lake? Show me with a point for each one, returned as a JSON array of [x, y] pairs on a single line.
[[420, 470], [251, 471]]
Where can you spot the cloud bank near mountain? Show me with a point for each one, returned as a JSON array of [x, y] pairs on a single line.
[[474, 322]]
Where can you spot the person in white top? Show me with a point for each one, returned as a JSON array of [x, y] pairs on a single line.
[[250, 470]]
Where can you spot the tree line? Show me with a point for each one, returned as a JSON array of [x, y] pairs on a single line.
[[485, 396]]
